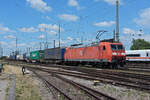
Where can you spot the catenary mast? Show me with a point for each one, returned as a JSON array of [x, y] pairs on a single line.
[[117, 22]]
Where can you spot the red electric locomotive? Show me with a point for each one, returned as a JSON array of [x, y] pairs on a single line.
[[102, 53]]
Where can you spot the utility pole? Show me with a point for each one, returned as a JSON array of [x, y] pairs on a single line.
[[40, 46], [1, 51], [16, 44], [46, 44], [117, 22], [82, 39], [59, 34], [29, 50], [114, 34], [54, 43]]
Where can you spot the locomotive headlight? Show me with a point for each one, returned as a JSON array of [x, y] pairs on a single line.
[[114, 53], [123, 54]]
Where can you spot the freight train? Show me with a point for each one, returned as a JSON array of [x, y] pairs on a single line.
[[103, 53]]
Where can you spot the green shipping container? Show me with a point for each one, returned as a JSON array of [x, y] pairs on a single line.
[[37, 55]]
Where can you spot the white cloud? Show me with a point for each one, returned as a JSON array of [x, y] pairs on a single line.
[[68, 17], [146, 37], [52, 32], [3, 43], [49, 28], [131, 31], [69, 38], [126, 40], [78, 39], [104, 24], [74, 3], [12, 44], [111, 2], [48, 18], [39, 5], [9, 37], [28, 30], [31, 45], [21, 45], [144, 18], [128, 31], [42, 36], [5, 29]]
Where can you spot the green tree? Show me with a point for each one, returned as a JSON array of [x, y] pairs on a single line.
[[140, 44], [3, 57]]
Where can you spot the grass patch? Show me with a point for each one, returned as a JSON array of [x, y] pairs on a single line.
[[26, 90], [25, 87]]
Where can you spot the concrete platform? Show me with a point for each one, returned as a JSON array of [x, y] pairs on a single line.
[[7, 87], [3, 87]]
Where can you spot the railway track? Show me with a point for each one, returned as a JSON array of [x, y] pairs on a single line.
[[91, 94], [138, 67], [135, 82], [125, 78], [129, 67], [135, 67]]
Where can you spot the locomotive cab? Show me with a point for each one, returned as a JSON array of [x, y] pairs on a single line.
[[118, 53], [113, 53]]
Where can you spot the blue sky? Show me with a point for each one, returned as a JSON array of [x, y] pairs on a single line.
[[31, 20]]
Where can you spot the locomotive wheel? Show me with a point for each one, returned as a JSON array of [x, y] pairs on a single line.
[[111, 66], [102, 66], [114, 66], [121, 65]]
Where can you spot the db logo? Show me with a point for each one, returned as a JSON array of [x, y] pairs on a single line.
[[34, 55], [81, 53]]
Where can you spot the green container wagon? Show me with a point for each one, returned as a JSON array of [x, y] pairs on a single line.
[[37, 55]]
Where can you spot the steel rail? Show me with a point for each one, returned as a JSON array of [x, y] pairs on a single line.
[[103, 80], [96, 94], [49, 84], [138, 87]]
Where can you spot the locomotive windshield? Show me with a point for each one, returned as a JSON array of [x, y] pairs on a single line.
[[116, 47]]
